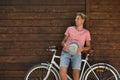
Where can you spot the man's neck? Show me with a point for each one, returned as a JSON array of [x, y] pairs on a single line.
[[79, 28]]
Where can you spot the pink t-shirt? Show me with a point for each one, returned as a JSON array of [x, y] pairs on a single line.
[[77, 36]]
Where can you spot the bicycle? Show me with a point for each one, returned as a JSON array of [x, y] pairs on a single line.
[[49, 71]]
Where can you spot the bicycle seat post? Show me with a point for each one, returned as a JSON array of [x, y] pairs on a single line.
[[52, 49], [90, 53], [87, 56]]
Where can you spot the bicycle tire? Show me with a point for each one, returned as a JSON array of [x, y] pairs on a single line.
[[38, 72], [103, 71]]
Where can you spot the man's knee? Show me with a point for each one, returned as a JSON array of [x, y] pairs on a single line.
[[63, 71]]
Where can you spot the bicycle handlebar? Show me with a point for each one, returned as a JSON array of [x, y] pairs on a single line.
[[54, 48]]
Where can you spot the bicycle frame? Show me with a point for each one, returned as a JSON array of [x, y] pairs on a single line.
[[95, 69], [53, 62]]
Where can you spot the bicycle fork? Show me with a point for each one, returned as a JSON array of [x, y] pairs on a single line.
[[82, 73], [48, 72], [93, 72], [50, 66]]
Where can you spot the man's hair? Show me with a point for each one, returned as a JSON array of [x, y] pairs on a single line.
[[83, 16]]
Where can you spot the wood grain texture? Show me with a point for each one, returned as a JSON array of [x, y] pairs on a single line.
[[27, 28], [104, 19]]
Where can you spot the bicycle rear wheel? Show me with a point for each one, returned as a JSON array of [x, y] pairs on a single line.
[[101, 71], [39, 72]]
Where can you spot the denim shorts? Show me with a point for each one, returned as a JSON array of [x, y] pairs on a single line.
[[75, 60]]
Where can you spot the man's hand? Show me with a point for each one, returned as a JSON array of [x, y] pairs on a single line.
[[65, 48], [79, 50]]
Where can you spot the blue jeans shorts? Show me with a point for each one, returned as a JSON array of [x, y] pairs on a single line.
[[66, 58]]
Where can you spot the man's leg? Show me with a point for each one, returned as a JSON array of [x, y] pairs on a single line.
[[64, 63], [63, 73], [76, 74], [76, 66]]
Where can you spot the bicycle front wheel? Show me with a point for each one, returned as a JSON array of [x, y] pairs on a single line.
[[39, 72], [101, 71]]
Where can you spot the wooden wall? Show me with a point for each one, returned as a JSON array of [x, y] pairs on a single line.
[[27, 27], [104, 24]]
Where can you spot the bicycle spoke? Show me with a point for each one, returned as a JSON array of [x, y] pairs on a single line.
[[110, 78], [105, 74], [40, 73], [102, 73]]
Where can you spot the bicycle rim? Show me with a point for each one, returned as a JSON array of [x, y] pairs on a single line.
[[39, 73], [101, 73]]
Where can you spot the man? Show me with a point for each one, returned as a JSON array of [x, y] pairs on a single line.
[[77, 34]]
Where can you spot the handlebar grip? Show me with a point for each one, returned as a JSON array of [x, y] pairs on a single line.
[[52, 48]]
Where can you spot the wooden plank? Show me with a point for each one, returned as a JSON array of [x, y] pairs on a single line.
[[106, 45], [112, 52], [105, 60], [22, 52], [43, 23], [30, 37], [27, 45], [104, 30], [23, 45], [42, 2], [103, 26], [27, 52], [32, 30], [11, 78], [104, 15], [24, 59], [104, 8], [106, 38], [42, 9], [16, 66], [34, 15], [13, 74], [115, 64], [104, 2], [104, 23]]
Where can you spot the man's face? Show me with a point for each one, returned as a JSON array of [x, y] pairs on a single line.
[[79, 21]]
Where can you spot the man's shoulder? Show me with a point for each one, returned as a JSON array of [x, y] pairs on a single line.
[[86, 31], [71, 27]]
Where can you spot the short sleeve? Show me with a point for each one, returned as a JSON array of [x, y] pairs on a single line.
[[88, 37], [67, 31]]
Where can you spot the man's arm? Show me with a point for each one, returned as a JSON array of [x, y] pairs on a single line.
[[88, 46], [64, 40]]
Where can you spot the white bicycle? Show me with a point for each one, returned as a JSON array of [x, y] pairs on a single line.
[[50, 71]]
